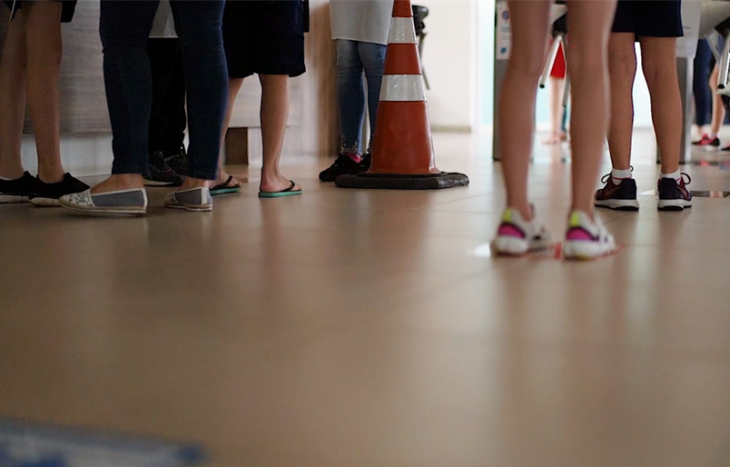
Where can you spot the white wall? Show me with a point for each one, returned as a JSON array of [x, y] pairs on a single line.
[[450, 61]]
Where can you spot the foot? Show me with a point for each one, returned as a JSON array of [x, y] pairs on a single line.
[[516, 236], [197, 199], [119, 182], [226, 180], [673, 194], [229, 185], [620, 196], [344, 165], [276, 183], [707, 141], [49, 194], [586, 238], [160, 173]]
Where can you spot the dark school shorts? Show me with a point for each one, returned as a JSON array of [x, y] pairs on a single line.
[[649, 18], [264, 37], [67, 11]]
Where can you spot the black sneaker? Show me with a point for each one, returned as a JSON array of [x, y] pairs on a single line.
[[17, 191], [343, 165], [178, 161], [159, 172], [621, 196], [673, 194], [47, 194], [367, 161]]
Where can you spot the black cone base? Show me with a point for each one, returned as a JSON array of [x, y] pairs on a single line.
[[402, 182]]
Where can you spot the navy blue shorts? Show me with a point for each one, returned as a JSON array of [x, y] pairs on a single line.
[[67, 11], [649, 18], [264, 37]]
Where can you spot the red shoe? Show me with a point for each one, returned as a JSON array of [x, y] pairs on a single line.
[[706, 140]]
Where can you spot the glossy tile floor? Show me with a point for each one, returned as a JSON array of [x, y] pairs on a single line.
[[371, 328]]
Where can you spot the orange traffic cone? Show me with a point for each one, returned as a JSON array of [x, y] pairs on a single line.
[[403, 155]]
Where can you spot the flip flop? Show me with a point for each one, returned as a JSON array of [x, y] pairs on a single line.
[[223, 188], [280, 194]]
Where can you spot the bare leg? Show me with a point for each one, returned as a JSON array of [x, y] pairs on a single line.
[[274, 116], [12, 98], [589, 24], [557, 89], [44, 48], [622, 71], [516, 114], [718, 109], [234, 86], [660, 69]]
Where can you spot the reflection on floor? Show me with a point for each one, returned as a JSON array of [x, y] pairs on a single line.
[[370, 328]]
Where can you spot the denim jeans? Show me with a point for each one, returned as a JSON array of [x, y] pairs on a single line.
[[702, 93], [125, 27], [354, 58]]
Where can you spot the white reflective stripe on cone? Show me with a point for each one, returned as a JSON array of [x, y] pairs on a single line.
[[402, 88], [402, 31]]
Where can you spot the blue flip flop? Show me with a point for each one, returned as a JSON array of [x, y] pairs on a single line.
[[280, 194]]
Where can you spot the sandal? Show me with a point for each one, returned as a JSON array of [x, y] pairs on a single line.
[[280, 194], [224, 188]]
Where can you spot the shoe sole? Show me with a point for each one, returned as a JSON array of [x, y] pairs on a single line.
[[618, 204], [585, 251], [673, 205], [191, 207], [45, 202], [106, 212], [510, 246], [13, 199]]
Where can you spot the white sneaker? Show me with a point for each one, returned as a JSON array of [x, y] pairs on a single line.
[[586, 239], [516, 236]]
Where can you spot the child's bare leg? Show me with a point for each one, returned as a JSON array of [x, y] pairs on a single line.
[[622, 71], [516, 114], [44, 50], [12, 98], [274, 116], [718, 108], [234, 86], [659, 63], [587, 58]]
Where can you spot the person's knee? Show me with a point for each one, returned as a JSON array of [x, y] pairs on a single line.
[[658, 70], [529, 63]]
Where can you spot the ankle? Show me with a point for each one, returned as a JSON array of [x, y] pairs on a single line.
[[585, 209], [524, 211], [192, 183], [12, 174]]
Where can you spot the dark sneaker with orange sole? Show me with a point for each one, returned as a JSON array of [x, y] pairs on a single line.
[[673, 194], [621, 197]]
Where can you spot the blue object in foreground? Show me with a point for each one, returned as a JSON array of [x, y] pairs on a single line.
[[26, 445]]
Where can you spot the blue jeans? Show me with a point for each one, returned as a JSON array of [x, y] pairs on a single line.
[[354, 58], [125, 27], [702, 95]]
